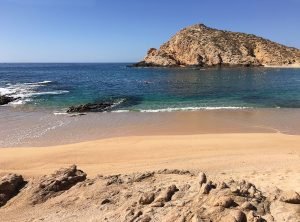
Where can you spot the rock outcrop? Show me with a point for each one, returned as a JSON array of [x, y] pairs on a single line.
[[55, 184], [199, 45], [10, 185], [91, 107], [6, 99], [164, 195]]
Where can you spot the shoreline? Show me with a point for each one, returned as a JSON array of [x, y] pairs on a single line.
[[153, 152], [39, 129]]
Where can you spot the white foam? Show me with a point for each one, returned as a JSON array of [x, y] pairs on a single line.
[[49, 93], [27, 90], [121, 111], [60, 113], [118, 103], [176, 109], [19, 102], [45, 82], [5, 91], [193, 109], [38, 83]]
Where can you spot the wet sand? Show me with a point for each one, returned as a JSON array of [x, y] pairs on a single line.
[[252, 145], [259, 144], [38, 129]]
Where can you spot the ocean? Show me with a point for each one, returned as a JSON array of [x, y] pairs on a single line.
[[58, 86], [147, 101]]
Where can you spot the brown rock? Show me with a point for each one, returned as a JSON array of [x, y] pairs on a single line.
[[248, 206], [167, 195], [291, 197], [206, 188], [239, 216], [145, 218], [202, 178], [225, 202], [56, 183], [10, 185], [147, 198], [199, 45]]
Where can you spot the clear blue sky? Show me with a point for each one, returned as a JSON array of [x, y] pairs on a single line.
[[123, 30]]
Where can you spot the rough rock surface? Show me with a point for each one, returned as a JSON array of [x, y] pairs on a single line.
[[164, 195], [91, 107], [10, 185], [290, 197], [199, 45], [6, 99], [55, 184]]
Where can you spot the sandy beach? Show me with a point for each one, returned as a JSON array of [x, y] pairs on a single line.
[[124, 172], [269, 159]]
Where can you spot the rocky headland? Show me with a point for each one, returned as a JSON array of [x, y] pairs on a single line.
[[162, 195], [201, 46]]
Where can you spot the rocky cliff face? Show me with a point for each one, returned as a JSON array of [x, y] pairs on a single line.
[[199, 45]]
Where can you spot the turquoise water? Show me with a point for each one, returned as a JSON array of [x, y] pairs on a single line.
[[58, 86]]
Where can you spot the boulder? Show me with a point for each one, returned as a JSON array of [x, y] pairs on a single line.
[[207, 187], [166, 195], [147, 198], [291, 197], [91, 107], [6, 99], [248, 206], [53, 185], [10, 186], [225, 202], [238, 215], [202, 178]]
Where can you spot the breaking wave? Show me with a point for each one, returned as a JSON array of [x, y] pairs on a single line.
[[25, 91], [176, 109]]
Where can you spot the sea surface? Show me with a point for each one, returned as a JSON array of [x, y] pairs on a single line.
[[58, 86], [147, 101]]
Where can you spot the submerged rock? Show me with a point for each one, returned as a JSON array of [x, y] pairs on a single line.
[[199, 46], [10, 185], [91, 107]]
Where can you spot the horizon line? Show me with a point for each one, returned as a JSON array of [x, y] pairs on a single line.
[[64, 62]]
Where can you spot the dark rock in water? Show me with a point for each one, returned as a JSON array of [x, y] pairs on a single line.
[[145, 64], [10, 185], [108, 104], [6, 99], [91, 107], [57, 183]]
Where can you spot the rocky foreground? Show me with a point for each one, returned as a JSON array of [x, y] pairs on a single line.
[[165, 195], [199, 45]]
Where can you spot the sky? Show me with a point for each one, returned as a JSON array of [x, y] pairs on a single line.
[[123, 30]]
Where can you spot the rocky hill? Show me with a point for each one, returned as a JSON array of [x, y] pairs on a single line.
[[199, 45], [163, 195]]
